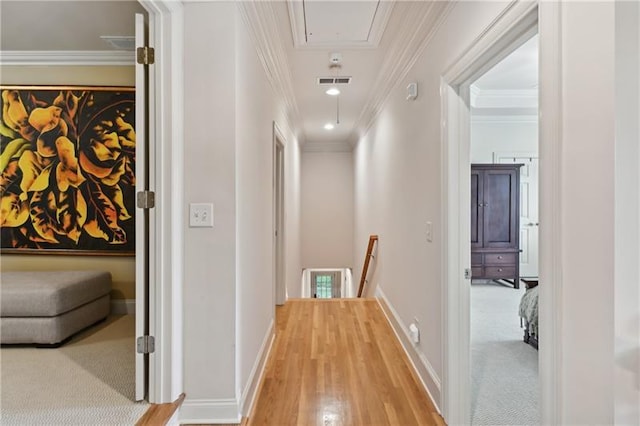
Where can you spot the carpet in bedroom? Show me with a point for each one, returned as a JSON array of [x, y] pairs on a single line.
[[504, 369], [88, 381]]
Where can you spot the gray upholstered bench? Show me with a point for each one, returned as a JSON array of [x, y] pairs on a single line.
[[45, 308]]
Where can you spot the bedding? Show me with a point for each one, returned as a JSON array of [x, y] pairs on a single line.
[[529, 310]]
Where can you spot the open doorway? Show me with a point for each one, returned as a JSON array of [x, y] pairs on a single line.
[[278, 216], [79, 61], [504, 240], [327, 283]]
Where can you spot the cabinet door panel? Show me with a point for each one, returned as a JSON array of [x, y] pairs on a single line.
[[476, 209], [500, 208]]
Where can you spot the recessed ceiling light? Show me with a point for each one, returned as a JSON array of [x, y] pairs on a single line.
[[334, 91], [328, 126]]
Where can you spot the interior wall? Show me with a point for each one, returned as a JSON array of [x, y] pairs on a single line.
[[229, 295], [587, 185], [399, 188], [627, 219], [502, 134], [122, 269], [257, 108], [209, 289], [327, 209]]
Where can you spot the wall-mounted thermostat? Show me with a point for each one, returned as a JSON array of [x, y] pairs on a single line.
[[412, 91]]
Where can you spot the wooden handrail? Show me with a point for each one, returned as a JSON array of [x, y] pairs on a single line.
[[367, 258]]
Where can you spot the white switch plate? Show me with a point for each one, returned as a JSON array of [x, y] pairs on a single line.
[[201, 215], [430, 232]]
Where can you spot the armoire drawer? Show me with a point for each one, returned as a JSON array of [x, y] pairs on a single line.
[[499, 259], [499, 271]]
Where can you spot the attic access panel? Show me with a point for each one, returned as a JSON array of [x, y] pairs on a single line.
[[338, 23]]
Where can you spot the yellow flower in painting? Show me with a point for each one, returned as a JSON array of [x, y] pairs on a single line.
[[64, 164]]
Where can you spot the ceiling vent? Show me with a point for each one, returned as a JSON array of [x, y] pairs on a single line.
[[334, 80]]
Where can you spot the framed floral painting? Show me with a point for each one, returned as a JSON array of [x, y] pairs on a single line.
[[67, 156]]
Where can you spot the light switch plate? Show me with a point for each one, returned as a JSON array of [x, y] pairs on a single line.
[[430, 232], [201, 215]]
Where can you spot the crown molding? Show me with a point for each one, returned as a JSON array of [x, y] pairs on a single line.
[[269, 42], [67, 57], [507, 98], [505, 118], [420, 21], [327, 147]]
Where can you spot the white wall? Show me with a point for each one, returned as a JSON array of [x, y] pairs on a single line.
[[230, 108], [398, 188], [257, 107], [502, 134], [627, 220], [587, 224], [209, 176], [327, 209]]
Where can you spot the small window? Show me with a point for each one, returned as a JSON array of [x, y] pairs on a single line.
[[325, 285]]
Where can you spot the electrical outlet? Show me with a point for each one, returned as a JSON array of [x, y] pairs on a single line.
[[429, 232], [201, 215]]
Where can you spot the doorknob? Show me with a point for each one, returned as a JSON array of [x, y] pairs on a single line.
[[532, 224]]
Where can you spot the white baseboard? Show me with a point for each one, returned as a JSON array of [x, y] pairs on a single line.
[[421, 365], [123, 306], [209, 411], [249, 393]]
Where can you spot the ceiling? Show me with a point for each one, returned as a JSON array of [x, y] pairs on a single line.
[[64, 25], [510, 88], [370, 35]]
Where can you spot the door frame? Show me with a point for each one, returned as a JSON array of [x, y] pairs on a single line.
[[515, 24], [167, 218], [279, 239]]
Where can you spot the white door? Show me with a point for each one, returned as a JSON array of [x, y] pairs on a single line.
[[528, 210], [142, 215]]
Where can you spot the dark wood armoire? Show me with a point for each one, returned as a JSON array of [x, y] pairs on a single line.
[[495, 222]]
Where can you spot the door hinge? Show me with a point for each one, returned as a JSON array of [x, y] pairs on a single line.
[[467, 273], [146, 200], [146, 344], [145, 55]]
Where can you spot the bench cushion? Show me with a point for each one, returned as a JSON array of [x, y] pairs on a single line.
[[47, 294]]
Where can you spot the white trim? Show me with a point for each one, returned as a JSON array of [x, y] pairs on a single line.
[[249, 394], [327, 147], [166, 267], [209, 411], [280, 288], [421, 365], [509, 30], [497, 155], [551, 202], [504, 119], [404, 49], [123, 306], [263, 24], [67, 57]]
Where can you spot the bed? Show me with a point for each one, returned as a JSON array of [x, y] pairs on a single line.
[[529, 313]]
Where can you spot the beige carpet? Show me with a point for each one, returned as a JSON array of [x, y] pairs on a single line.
[[89, 380]]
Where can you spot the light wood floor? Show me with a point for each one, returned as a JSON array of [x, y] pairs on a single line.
[[338, 362]]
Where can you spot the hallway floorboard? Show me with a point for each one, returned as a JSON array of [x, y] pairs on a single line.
[[338, 362]]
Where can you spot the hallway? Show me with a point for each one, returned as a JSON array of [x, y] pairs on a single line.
[[338, 362]]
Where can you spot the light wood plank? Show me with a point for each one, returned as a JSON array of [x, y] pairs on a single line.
[[338, 362], [160, 414]]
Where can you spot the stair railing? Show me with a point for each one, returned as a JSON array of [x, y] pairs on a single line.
[[365, 268]]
